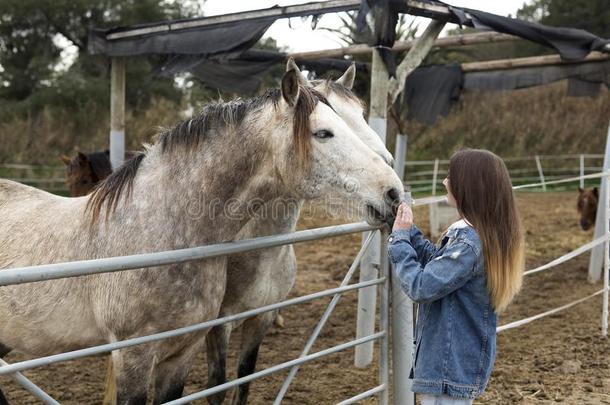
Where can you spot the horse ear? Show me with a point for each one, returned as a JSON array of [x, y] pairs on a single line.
[[290, 87], [82, 157], [580, 190], [291, 65], [596, 192], [348, 77], [65, 159]]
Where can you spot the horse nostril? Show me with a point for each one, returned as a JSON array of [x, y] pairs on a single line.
[[392, 197]]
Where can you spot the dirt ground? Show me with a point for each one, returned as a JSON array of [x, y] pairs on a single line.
[[561, 358]]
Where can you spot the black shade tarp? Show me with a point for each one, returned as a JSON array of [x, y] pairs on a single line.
[[228, 39], [513, 79], [430, 91], [242, 74], [571, 43]]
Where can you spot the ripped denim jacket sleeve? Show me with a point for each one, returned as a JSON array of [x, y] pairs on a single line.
[[445, 273]]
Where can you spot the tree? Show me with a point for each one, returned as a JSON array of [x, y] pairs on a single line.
[[28, 33], [589, 15]]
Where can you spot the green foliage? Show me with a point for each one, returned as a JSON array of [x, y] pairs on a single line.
[[590, 15], [28, 35]]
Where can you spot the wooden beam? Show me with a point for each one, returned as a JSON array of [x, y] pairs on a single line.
[[529, 62], [414, 58], [413, 7], [332, 6], [400, 46]]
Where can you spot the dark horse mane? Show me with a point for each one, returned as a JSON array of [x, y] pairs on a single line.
[[189, 134]]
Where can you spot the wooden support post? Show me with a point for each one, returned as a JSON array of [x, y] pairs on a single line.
[[597, 253], [117, 112], [369, 266], [414, 58]]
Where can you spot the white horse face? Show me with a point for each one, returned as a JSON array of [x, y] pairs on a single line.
[[347, 107], [341, 167]]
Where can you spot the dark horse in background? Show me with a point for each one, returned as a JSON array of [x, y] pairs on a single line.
[[587, 206], [84, 171]]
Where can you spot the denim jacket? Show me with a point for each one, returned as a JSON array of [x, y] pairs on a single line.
[[455, 338]]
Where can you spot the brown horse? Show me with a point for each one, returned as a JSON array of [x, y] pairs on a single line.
[[587, 206], [84, 171]]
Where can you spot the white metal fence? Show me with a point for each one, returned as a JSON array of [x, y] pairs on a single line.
[[427, 175], [87, 267], [421, 175]]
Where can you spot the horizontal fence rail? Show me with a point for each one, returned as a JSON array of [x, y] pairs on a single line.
[[87, 267], [108, 347]]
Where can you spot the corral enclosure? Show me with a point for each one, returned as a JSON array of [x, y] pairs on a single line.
[[561, 358]]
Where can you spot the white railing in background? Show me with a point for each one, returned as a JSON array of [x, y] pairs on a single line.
[[421, 175], [427, 175]]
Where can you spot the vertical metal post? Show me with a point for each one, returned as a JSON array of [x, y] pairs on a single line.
[[117, 112], [369, 267], [402, 343], [402, 318], [384, 324], [434, 176], [606, 260], [582, 171], [540, 172], [596, 260], [400, 155]]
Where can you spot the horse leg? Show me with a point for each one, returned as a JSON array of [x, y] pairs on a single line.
[[133, 367], [217, 341], [252, 334], [171, 374], [3, 352], [110, 394]]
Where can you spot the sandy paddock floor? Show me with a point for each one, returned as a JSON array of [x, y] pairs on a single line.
[[561, 358]]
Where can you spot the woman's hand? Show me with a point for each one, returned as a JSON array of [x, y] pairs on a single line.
[[404, 218]]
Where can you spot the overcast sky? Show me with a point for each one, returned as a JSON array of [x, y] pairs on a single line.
[[302, 38]]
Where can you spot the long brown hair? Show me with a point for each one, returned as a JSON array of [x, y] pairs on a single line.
[[481, 185]]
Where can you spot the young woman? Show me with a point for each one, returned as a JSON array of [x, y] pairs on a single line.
[[462, 283]]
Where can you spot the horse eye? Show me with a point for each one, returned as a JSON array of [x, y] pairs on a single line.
[[323, 134]]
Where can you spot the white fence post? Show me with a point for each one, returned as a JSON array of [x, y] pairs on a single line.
[[540, 173], [369, 270], [400, 155], [606, 259], [117, 112], [596, 260], [434, 176], [367, 302], [582, 170]]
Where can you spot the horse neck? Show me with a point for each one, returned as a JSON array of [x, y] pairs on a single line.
[[277, 216], [204, 194]]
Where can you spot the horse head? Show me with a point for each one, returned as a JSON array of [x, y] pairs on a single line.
[[348, 106], [79, 174], [587, 206], [338, 163]]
